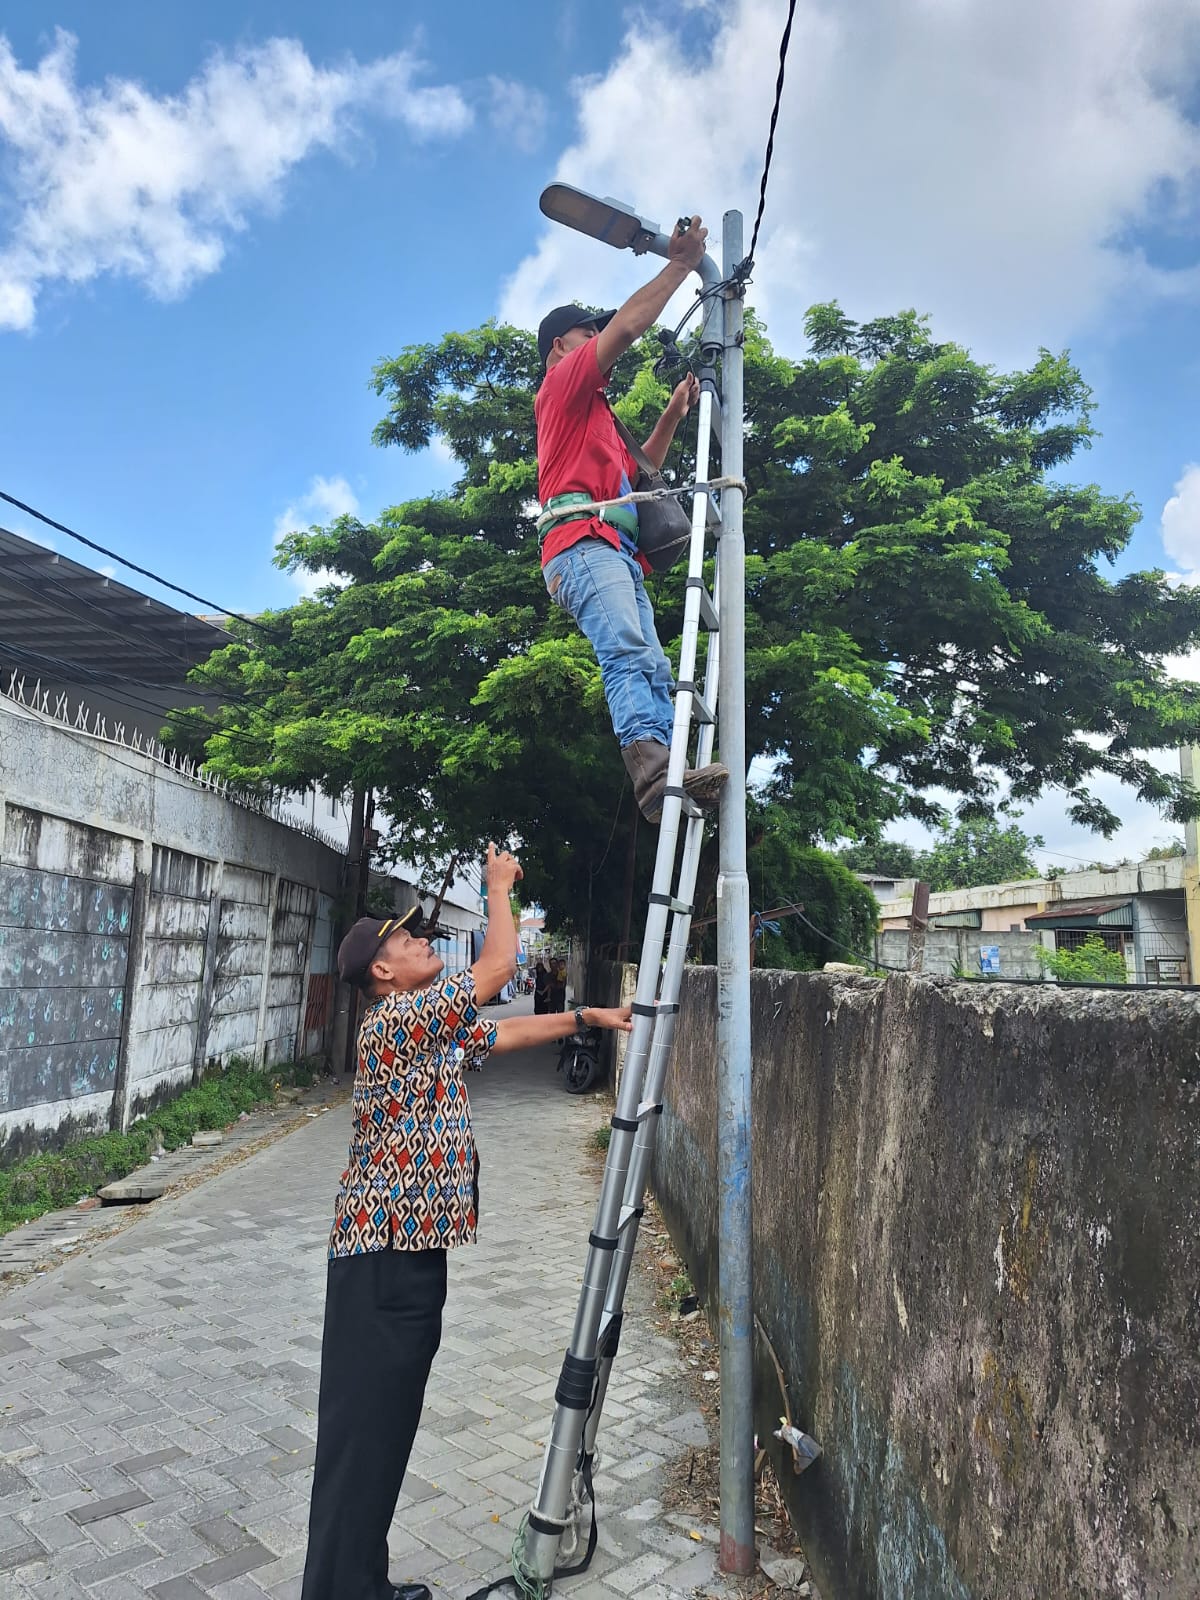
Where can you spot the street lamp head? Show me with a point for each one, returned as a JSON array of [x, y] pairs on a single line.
[[610, 221]]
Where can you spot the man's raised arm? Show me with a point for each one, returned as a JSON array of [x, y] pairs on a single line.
[[498, 958], [643, 308]]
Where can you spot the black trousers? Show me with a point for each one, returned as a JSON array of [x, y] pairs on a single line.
[[383, 1325]]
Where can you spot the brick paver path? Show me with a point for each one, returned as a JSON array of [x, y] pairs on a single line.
[[158, 1394]]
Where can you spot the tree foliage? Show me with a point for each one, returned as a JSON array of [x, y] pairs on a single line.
[[970, 852], [979, 850], [925, 608]]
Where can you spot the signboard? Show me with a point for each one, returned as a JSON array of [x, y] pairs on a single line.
[[989, 958]]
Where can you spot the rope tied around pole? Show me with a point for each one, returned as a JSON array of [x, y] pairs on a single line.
[[587, 508]]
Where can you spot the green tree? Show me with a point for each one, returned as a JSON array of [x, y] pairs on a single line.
[[882, 858], [979, 850], [824, 912], [1092, 962], [925, 609]]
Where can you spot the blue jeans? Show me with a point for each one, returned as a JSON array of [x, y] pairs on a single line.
[[602, 589]]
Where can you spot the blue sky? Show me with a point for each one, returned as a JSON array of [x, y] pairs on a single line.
[[214, 220]]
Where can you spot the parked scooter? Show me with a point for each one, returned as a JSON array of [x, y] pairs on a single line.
[[579, 1060]]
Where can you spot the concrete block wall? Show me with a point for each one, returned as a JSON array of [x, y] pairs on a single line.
[[66, 903], [976, 1252], [147, 926], [954, 952]]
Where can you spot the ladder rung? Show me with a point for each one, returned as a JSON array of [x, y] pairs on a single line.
[[712, 514], [701, 710], [649, 1108], [629, 1214], [689, 808], [708, 609]]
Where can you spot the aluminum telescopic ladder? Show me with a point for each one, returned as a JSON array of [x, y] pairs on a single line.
[[565, 1489]]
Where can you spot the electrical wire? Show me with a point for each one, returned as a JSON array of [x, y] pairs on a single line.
[[744, 267], [612, 832], [61, 527]]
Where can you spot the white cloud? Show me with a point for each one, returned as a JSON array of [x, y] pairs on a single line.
[[989, 164], [1181, 525], [1067, 845], [114, 179], [323, 501], [518, 112]]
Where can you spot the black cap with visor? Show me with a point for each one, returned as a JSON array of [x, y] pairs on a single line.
[[562, 319]]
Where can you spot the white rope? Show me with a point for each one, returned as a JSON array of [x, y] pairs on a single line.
[[587, 508]]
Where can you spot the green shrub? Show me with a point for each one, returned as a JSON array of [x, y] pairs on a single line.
[[57, 1178], [1092, 962]]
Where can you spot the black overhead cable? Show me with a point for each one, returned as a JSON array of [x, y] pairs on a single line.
[[61, 527], [744, 267]]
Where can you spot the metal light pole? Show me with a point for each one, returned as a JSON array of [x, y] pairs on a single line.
[[734, 1272]]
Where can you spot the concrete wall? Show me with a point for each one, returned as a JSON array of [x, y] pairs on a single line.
[[977, 1245], [147, 926], [950, 952]]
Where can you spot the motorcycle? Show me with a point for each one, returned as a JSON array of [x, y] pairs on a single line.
[[579, 1060]]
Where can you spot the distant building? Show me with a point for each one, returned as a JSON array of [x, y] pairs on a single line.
[[1139, 911]]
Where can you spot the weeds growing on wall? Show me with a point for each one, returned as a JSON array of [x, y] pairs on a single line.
[[41, 1183]]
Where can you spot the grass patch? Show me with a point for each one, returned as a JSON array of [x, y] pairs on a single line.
[[602, 1137], [37, 1184]]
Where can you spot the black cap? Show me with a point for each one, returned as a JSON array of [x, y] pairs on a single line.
[[562, 319], [367, 938]]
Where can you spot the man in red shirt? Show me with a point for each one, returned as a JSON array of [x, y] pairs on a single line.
[[591, 562]]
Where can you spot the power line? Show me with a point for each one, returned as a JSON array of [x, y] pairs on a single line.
[[746, 265], [61, 527]]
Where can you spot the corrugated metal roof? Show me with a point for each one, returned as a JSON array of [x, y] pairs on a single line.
[[78, 630], [1103, 913]]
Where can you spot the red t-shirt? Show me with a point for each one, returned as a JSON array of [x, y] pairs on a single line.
[[579, 448]]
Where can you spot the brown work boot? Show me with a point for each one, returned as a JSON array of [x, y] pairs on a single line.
[[704, 784], [646, 762]]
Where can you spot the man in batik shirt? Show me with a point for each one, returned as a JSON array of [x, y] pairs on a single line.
[[409, 1193]]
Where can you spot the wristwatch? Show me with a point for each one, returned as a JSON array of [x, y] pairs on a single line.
[[580, 1024]]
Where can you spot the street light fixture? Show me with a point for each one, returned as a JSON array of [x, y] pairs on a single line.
[[615, 223], [610, 221]]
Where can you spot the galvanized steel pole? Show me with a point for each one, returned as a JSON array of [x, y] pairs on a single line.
[[735, 1280]]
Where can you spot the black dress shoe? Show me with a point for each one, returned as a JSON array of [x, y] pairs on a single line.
[[411, 1591]]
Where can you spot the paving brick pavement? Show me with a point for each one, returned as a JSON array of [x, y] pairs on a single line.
[[158, 1398]]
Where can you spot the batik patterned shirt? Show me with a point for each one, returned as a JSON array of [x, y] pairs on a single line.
[[410, 1183]]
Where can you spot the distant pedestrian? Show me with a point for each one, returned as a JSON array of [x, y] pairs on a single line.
[[409, 1193], [541, 989]]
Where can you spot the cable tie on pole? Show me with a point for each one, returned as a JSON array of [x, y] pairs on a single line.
[[599, 1243], [642, 1010], [624, 1124]]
